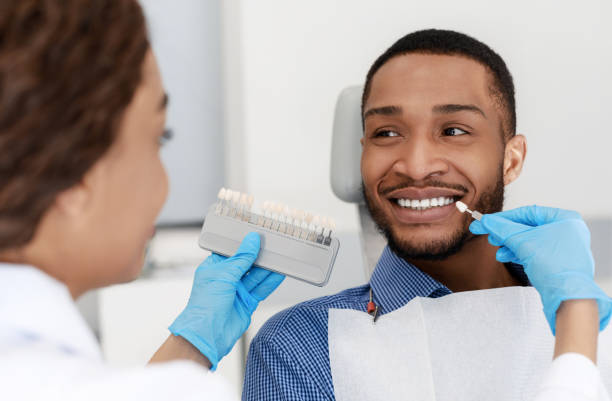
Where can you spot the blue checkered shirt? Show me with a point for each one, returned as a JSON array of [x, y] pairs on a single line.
[[289, 359]]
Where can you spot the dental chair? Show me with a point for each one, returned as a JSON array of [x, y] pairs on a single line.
[[346, 171], [346, 185]]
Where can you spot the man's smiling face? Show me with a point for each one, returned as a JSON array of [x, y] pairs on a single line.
[[433, 135]]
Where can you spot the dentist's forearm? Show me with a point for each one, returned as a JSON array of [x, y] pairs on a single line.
[[577, 328], [176, 347]]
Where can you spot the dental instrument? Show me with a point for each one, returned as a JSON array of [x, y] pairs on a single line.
[[293, 242], [463, 208]]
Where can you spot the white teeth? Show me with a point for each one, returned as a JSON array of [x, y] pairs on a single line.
[[424, 204]]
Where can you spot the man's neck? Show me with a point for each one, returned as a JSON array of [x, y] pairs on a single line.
[[474, 267]]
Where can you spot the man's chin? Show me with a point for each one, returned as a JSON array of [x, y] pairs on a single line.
[[423, 249]]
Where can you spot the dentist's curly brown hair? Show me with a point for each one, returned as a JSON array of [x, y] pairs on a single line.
[[68, 70]]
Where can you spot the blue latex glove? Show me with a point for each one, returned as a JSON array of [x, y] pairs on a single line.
[[225, 293], [553, 246]]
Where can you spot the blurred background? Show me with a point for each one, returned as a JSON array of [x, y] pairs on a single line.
[[253, 85]]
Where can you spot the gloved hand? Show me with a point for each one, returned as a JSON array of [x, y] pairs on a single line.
[[224, 295], [553, 246]]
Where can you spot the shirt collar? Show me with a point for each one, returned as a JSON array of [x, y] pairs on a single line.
[[396, 282], [36, 307]]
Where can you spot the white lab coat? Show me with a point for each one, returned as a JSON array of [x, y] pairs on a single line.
[[47, 352], [573, 377]]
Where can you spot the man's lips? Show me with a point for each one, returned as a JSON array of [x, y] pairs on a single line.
[[424, 193]]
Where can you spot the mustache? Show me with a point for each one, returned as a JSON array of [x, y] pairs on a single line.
[[410, 183]]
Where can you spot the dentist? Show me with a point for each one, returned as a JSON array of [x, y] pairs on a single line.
[[82, 119]]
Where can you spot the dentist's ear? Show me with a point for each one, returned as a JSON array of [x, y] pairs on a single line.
[[73, 201], [514, 158], [78, 202]]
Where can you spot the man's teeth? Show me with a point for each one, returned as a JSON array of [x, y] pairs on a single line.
[[424, 204]]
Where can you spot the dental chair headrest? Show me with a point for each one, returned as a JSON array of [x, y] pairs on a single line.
[[346, 148]]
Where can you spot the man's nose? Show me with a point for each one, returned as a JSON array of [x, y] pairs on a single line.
[[420, 157]]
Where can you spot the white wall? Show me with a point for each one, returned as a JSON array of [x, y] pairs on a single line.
[[185, 36], [291, 59]]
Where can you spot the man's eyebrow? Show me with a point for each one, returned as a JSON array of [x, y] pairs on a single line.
[[453, 108], [385, 111], [164, 102]]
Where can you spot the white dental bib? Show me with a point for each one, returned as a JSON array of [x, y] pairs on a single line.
[[477, 345]]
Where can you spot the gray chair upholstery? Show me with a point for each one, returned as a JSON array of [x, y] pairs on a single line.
[[346, 148], [345, 177], [345, 171]]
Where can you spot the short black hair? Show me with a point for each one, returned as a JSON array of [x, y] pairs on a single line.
[[444, 42]]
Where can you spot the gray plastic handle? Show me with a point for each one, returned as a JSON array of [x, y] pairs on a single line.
[[300, 259]]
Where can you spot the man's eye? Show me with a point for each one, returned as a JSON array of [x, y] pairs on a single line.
[[165, 137], [454, 131], [386, 133]]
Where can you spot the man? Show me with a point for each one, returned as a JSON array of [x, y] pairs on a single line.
[[439, 126]]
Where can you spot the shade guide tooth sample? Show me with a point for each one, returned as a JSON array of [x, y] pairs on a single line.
[[295, 243], [463, 208]]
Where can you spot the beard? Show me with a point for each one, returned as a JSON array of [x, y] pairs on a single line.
[[490, 201]]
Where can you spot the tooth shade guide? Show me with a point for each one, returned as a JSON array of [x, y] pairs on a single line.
[[275, 216], [292, 241]]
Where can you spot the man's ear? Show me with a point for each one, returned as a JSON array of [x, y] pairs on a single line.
[[514, 158], [361, 141]]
